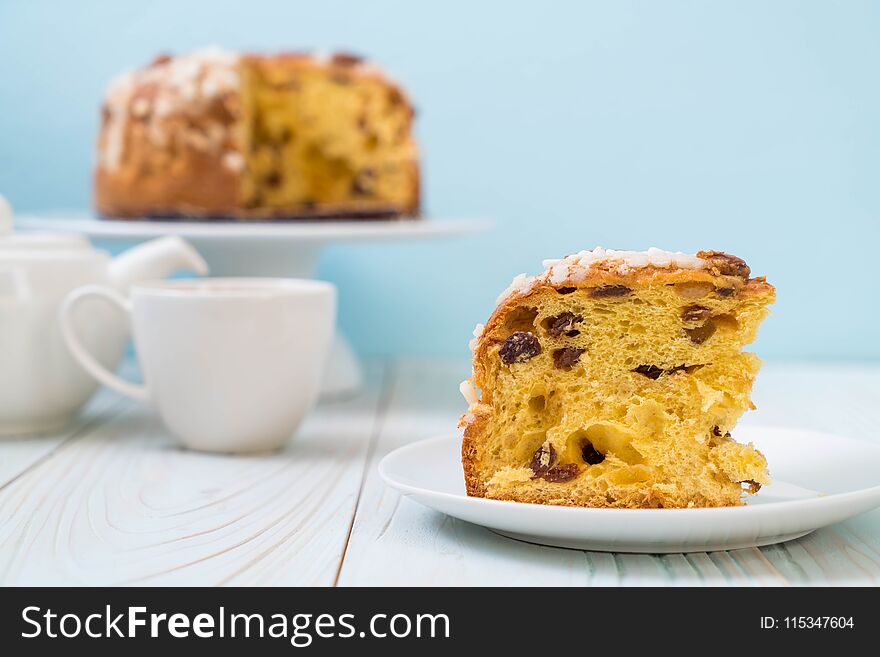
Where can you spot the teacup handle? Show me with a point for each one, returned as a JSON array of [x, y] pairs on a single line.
[[83, 357]]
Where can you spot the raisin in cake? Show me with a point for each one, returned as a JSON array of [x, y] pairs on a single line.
[[221, 134], [615, 379]]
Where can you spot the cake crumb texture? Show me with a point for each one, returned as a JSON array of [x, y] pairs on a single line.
[[617, 381]]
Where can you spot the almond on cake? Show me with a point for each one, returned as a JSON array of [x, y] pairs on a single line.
[[615, 379], [216, 133]]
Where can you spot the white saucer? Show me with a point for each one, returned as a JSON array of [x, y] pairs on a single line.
[[819, 479]]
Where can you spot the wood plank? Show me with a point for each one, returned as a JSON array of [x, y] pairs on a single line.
[[19, 453], [837, 398], [111, 501], [123, 504], [395, 541], [846, 554]]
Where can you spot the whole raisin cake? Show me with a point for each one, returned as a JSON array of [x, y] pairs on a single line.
[[221, 134], [615, 379]]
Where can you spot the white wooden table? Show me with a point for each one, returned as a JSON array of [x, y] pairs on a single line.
[[112, 500]]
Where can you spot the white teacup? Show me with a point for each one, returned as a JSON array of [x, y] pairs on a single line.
[[231, 365]]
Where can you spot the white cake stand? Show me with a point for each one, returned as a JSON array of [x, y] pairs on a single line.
[[275, 249]]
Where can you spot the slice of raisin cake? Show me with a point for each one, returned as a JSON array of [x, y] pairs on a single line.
[[614, 379]]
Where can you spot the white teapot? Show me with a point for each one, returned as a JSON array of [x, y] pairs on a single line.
[[41, 386]]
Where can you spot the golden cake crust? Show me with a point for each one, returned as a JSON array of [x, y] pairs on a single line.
[[170, 141], [721, 271]]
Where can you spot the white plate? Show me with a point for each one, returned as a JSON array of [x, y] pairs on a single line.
[[326, 230], [819, 479]]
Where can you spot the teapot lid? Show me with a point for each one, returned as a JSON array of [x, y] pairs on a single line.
[[28, 242], [5, 217], [20, 242]]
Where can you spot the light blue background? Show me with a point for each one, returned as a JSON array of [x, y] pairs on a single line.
[[752, 127]]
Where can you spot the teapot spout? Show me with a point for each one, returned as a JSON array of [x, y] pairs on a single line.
[[154, 260]]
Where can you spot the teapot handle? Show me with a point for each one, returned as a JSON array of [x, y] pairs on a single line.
[[89, 363]]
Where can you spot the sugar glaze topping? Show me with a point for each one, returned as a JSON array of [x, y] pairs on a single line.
[[469, 392], [170, 86], [478, 332], [576, 267]]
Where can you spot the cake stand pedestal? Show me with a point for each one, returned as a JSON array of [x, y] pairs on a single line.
[[270, 249]]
